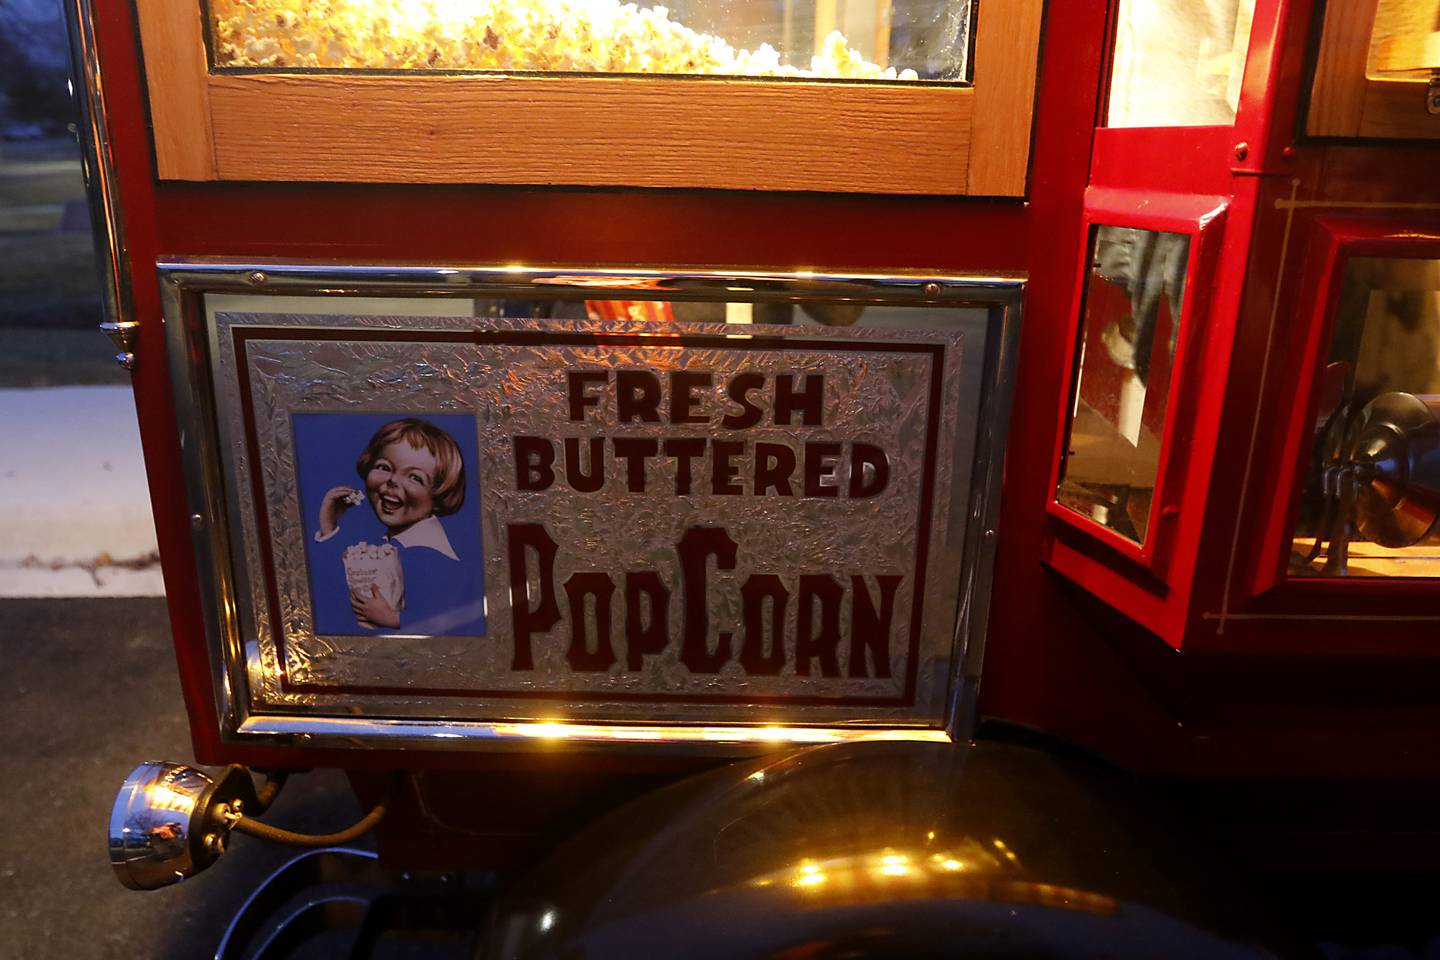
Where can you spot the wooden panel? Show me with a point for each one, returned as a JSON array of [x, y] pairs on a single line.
[[1411, 51], [1347, 98], [590, 130], [1337, 95], [175, 73], [604, 131], [1396, 108], [1007, 49]]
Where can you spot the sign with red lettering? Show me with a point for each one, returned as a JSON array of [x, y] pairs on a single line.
[[605, 521]]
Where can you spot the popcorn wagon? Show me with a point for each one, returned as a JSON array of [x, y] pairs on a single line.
[[822, 425]]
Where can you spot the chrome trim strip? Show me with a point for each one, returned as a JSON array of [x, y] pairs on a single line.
[[184, 282], [201, 466], [1002, 352], [323, 279], [446, 734], [106, 222]]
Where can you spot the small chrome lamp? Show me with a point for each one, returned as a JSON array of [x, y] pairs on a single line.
[[159, 826]]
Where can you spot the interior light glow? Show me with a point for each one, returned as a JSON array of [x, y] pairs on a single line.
[[607, 36], [554, 729]]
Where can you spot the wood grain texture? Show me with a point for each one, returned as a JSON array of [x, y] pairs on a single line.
[[1007, 50], [1347, 98], [601, 131], [1396, 108], [1413, 51], [175, 71], [1337, 94]]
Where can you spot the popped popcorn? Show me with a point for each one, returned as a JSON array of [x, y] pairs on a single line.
[[604, 36]]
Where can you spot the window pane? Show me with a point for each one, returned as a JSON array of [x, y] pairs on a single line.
[[49, 294], [1371, 495], [1128, 334], [1178, 63], [829, 39]]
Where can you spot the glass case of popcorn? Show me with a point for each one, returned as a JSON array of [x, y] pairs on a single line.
[[813, 39], [872, 96]]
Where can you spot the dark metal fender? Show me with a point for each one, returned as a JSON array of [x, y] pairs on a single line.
[[882, 850]]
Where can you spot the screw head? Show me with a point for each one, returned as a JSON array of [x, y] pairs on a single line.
[[933, 289], [257, 277], [1242, 150]]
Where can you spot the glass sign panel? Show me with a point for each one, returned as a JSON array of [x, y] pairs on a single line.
[[1128, 332], [536, 510], [876, 40], [1370, 504]]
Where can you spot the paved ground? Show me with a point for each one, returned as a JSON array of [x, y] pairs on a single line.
[[89, 689]]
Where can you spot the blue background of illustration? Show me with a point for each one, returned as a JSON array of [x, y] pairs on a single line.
[[327, 446]]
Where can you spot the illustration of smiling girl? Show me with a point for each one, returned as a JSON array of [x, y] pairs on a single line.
[[413, 582]]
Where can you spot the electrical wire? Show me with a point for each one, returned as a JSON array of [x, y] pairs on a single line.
[[265, 831]]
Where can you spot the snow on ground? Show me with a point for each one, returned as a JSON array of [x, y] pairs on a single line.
[[74, 506]]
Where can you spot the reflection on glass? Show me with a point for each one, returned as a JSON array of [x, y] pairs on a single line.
[[49, 295], [1127, 343], [699, 311], [827, 39], [653, 311], [1371, 496], [1178, 63]]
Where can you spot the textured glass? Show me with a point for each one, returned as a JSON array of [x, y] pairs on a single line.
[[1371, 494], [828, 39], [860, 540], [1178, 63], [1127, 343]]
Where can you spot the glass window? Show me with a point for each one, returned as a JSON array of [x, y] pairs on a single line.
[[826, 39], [1371, 495], [1178, 63], [49, 297], [1128, 332]]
